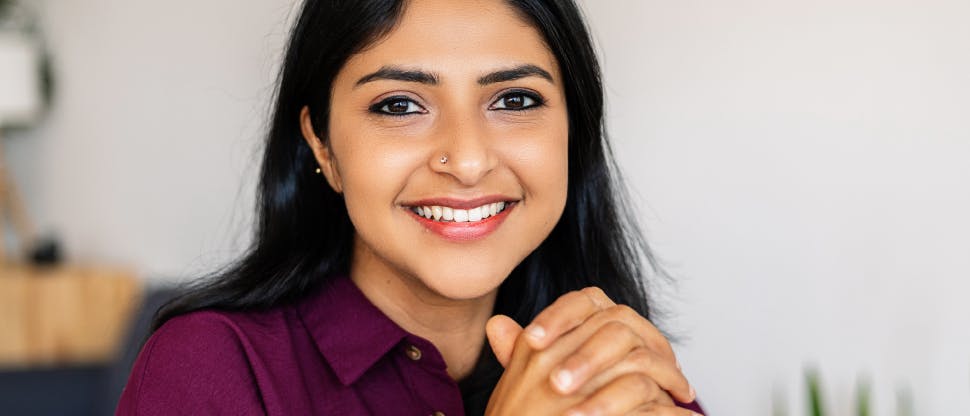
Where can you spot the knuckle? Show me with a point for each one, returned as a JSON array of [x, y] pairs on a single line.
[[642, 359], [594, 291], [642, 383], [595, 295], [626, 310], [620, 332]]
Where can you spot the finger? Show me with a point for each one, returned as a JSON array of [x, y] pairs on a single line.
[[670, 376], [661, 371], [650, 334], [502, 332], [566, 313], [662, 410], [610, 344], [623, 395], [628, 366]]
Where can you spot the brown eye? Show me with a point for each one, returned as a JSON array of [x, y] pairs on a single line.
[[397, 106], [516, 101]]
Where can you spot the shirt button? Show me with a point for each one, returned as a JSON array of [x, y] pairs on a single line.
[[414, 354]]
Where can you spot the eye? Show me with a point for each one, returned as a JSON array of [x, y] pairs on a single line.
[[397, 106], [517, 101]]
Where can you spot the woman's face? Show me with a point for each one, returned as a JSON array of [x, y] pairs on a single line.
[[460, 107]]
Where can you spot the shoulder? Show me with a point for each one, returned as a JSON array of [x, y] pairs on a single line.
[[196, 363]]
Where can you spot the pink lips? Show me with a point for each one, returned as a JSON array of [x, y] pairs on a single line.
[[463, 231]]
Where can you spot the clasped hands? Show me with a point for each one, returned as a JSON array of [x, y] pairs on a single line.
[[585, 355]]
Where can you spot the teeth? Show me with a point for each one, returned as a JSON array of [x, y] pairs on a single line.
[[475, 214], [441, 213]]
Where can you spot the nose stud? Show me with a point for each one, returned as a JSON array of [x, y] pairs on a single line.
[[443, 160]]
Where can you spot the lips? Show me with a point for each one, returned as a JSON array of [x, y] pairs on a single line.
[[461, 220], [449, 214]]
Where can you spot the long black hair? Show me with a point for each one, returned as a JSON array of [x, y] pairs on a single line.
[[303, 234]]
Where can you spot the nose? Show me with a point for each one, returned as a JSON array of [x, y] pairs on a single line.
[[465, 152]]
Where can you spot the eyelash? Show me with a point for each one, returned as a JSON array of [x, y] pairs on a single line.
[[379, 108]]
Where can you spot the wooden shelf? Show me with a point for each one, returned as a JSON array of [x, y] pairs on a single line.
[[64, 315]]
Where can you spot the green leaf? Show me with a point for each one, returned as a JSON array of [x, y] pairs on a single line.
[[863, 397], [814, 392]]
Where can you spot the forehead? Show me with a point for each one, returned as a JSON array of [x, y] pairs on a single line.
[[466, 36]]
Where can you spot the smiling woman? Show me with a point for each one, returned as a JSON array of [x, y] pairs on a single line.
[[466, 191]]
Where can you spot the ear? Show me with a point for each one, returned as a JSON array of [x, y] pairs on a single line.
[[321, 151]]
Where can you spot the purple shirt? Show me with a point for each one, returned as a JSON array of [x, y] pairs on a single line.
[[332, 353]]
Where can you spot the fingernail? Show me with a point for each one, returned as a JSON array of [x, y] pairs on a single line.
[[535, 332], [678, 365], [693, 393], [563, 379]]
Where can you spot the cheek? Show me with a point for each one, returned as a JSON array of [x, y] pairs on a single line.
[[374, 166], [540, 159]]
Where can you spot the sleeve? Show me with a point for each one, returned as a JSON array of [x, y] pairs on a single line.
[[695, 406], [193, 364]]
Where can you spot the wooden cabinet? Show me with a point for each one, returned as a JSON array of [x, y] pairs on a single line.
[[64, 315]]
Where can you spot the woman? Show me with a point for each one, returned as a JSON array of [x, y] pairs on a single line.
[[435, 176]]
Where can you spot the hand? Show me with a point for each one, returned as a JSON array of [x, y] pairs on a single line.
[[586, 353]]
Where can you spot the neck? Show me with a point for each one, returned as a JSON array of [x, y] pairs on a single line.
[[455, 326]]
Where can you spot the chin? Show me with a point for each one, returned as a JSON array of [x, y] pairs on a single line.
[[460, 283]]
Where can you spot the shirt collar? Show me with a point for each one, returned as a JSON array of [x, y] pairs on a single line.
[[349, 331]]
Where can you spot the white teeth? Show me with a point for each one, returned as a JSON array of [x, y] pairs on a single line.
[[475, 214], [442, 213]]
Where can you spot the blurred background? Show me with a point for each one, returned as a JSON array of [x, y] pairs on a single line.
[[801, 168]]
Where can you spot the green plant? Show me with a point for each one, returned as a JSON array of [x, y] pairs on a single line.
[[815, 406], [816, 403]]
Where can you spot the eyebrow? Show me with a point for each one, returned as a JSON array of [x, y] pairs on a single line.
[[512, 74], [407, 75], [399, 74]]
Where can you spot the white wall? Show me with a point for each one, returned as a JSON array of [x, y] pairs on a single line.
[[804, 167], [801, 167], [149, 155]]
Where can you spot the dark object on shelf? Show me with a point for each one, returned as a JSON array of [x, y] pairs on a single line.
[[46, 252]]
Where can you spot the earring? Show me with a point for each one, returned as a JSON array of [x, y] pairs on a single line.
[[318, 171], [443, 160]]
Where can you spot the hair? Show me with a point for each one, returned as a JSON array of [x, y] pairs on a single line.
[[304, 236]]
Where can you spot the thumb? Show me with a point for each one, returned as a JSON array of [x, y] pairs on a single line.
[[502, 332]]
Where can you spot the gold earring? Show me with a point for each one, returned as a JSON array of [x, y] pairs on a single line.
[[318, 171]]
